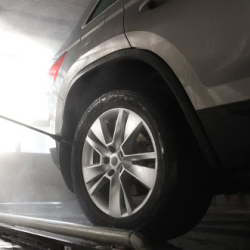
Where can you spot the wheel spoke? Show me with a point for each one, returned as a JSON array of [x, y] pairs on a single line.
[[134, 122], [115, 196], [140, 156], [144, 175], [119, 129], [98, 185], [127, 197], [100, 148], [93, 172], [106, 133], [97, 130]]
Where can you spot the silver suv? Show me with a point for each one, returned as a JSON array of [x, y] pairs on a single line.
[[153, 100]]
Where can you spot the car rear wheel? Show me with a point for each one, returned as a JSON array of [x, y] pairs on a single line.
[[125, 168]]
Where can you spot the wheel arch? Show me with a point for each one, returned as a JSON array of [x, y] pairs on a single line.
[[139, 69]]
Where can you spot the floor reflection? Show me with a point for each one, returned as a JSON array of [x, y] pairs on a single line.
[[31, 185]]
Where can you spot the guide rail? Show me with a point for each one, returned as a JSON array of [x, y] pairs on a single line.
[[117, 237]]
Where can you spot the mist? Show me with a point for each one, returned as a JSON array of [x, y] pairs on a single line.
[[31, 32]]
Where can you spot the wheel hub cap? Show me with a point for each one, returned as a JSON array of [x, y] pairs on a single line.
[[114, 161]]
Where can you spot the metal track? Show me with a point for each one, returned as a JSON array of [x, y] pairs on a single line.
[[128, 239]]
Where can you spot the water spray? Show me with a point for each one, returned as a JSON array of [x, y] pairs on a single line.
[[57, 138]]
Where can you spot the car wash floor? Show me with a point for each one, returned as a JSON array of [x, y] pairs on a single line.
[[31, 185], [221, 229]]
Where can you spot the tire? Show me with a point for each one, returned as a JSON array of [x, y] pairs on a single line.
[[173, 191]]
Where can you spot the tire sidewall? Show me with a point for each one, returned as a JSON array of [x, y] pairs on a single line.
[[166, 172]]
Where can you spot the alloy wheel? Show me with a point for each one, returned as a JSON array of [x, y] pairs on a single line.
[[119, 162]]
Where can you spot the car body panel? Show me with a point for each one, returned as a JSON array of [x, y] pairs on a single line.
[[104, 35], [200, 95], [114, 44], [209, 52], [207, 45], [75, 35]]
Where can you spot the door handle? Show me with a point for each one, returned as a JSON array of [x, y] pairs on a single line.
[[147, 4]]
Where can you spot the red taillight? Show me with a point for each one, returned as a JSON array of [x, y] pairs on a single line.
[[53, 71]]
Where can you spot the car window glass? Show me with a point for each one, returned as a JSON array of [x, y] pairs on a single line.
[[101, 6]]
